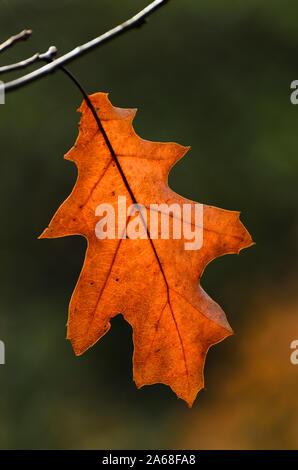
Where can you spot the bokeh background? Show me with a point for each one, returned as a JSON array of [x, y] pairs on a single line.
[[211, 74]]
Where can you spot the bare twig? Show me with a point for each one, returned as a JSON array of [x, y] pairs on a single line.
[[47, 57], [23, 35], [134, 22]]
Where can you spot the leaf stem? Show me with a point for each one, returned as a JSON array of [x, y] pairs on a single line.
[[102, 130]]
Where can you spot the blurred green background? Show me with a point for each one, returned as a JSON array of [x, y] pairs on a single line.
[[211, 74]]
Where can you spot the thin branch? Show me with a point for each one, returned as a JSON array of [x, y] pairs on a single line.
[[47, 57], [134, 22], [23, 35]]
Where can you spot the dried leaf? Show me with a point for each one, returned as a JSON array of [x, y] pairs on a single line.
[[153, 283]]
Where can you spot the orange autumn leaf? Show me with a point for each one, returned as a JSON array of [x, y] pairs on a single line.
[[152, 282]]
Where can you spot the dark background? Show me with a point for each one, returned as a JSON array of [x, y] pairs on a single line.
[[211, 74]]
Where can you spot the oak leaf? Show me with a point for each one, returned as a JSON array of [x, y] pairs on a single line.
[[153, 283]]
